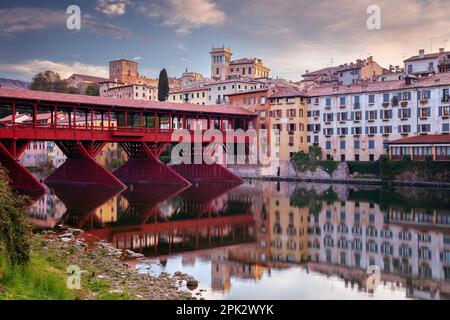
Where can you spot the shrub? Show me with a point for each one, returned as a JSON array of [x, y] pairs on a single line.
[[364, 167], [14, 228]]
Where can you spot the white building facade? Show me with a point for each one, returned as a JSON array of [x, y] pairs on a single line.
[[355, 123]]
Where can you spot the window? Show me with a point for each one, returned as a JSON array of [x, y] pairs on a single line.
[[356, 144], [444, 112], [328, 102], [328, 145], [342, 144], [425, 112], [371, 99], [342, 101], [371, 144], [386, 97]]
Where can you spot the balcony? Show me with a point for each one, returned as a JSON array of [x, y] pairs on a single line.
[[385, 104], [404, 103], [423, 101], [445, 99]]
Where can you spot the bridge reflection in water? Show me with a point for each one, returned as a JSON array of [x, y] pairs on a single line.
[[261, 230]]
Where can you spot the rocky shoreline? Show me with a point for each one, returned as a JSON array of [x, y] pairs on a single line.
[[107, 272]]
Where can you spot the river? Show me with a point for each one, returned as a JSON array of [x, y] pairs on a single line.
[[272, 240]]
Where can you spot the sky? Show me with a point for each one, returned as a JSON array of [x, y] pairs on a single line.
[[291, 36]]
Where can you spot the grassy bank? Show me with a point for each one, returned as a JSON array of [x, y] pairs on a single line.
[[40, 279]]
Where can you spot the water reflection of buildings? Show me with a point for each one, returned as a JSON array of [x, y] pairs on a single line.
[[46, 211], [247, 231]]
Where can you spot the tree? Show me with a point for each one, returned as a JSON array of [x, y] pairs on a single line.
[[92, 91], [49, 81], [163, 86], [15, 231], [315, 152]]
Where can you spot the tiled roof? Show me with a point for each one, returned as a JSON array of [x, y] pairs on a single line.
[[424, 139], [242, 61], [88, 78], [427, 56], [248, 91], [192, 89], [288, 93], [65, 98], [440, 79]]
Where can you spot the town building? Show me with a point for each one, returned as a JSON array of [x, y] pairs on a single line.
[[357, 122], [288, 115], [435, 147], [81, 82], [423, 64], [190, 78], [219, 91], [128, 91], [223, 68], [345, 74], [195, 95]]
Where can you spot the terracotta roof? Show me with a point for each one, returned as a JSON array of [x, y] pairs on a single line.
[[65, 98], [192, 89], [242, 61], [88, 78], [440, 79], [248, 91], [424, 139], [288, 93], [427, 56]]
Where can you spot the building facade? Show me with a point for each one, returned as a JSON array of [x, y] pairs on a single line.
[[356, 123], [425, 64], [194, 95], [223, 68]]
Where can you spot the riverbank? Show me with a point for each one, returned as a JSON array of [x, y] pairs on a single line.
[[366, 182], [106, 273]]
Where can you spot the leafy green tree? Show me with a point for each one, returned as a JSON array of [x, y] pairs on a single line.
[[315, 152], [92, 91], [15, 231], [163, 86], [49, 81]]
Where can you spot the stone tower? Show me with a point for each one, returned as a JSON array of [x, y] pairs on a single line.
[[220, 62], [123, 70]]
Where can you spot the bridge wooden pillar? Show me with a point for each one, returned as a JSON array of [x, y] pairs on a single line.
[[203, 172], [144, 166], [80, 168], [20, 177]]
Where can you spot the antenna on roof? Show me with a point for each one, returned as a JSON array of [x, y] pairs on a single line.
[[431, 43], [445, 41], [331, 61]]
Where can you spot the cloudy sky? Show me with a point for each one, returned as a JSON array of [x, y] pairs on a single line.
[[291, 36]]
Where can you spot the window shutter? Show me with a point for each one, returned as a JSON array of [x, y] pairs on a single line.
[[367, 115], [440, 111]]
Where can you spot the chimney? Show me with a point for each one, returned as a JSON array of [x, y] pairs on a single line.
[[441, 50], [421, 53]]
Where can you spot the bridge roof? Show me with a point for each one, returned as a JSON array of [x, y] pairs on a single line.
[[75, 99]]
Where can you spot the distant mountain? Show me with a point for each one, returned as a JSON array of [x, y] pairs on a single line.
[[13, 84]]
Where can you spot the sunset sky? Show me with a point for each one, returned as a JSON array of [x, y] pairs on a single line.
[[291, 36]]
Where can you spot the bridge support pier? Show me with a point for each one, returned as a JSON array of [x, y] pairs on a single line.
[[80, 168], [197, 173], [143, 165], [20, 177]]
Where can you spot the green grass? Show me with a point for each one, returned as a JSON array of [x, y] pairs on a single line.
[[40, 279], [102, 289]]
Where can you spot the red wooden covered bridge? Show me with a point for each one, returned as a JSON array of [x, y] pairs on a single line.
[[82, 125]]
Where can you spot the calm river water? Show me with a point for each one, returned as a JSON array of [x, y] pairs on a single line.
[[269, 240]]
